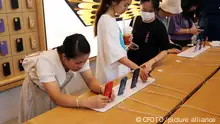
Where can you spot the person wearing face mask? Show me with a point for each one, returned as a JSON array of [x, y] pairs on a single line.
[[112, 61], [150, 35], [49, 72], [181, 26]]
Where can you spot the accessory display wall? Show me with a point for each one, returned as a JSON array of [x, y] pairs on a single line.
[[19, 36]]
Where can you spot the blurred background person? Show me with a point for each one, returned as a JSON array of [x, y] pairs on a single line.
[[181, 27]]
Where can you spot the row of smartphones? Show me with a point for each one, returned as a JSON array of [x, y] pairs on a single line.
[[109, 86], [7, 70], [17, 24], [15, 4], [19, 45], [199, 45]]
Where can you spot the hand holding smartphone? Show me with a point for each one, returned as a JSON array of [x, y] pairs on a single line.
[[108, 89]]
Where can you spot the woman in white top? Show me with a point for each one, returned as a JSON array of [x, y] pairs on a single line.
[[44, 87], [112, 60]]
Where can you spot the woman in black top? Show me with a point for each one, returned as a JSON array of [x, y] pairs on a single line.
[[150, 35]]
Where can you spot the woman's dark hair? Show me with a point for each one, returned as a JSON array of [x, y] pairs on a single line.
[[103, 8], [74, 46], [155, 3], [186, 6]]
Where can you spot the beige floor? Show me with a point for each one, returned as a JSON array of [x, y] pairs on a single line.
[[14, 121]]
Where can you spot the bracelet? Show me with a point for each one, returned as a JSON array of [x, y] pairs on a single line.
[[77, 102]]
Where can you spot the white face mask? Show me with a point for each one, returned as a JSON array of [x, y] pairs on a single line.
[[147, 16]]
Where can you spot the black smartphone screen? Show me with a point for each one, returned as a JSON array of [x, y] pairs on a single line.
[[135, 78], [122, 86]]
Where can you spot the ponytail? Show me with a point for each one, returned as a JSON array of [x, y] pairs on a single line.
[[103, 8]]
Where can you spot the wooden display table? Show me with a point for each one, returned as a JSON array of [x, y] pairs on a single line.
[[177, 79], [203, 106]]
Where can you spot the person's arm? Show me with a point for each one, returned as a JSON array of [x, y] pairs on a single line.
[[192, 30], [183, 31], [125, 61], [47, 78], [65, 100], [156, 59], [93, 84], [159, 57], [143, 72], [58, 97], [175, 26]]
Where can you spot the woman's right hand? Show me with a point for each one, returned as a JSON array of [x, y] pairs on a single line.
[[143, 74], [98, 101], [195, 30]]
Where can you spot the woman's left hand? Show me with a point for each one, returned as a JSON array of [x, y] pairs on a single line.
[[112, 95], [173, 51]]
